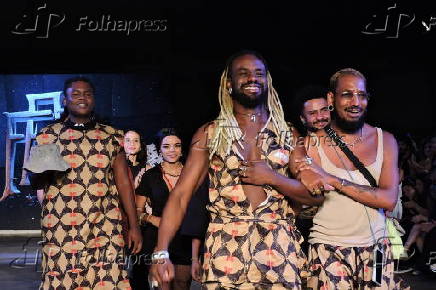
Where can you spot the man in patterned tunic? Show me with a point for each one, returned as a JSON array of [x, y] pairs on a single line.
[[251, 241], [81, 218]]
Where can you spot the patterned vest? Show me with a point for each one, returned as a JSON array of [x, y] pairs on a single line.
[[246, 245]]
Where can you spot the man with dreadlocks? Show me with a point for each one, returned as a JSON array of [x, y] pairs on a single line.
[[251, 242]]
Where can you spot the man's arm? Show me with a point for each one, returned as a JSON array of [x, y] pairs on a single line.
[[295, 190], [308, 180], [192, 176], [383, 196], [125, 190], [258, 173]]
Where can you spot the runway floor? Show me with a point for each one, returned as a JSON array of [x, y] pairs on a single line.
[[14, 274]]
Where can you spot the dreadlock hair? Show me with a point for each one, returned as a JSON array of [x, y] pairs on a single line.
[[227, 129], [345, 71]]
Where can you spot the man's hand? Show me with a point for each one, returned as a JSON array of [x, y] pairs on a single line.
[[162, 271], [135, 240], [256, 172], [313, 177]]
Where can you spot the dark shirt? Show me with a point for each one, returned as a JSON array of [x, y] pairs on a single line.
[[194, 224]]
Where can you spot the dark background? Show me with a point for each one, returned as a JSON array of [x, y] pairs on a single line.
[[148, 80]]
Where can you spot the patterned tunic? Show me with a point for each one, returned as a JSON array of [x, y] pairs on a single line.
[[83, 245], [245, 247]]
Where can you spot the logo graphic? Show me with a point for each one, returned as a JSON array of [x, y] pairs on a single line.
[[391, 24], [428, 25], [40, 23]]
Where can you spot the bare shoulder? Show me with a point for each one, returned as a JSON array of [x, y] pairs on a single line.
[[389, 141], [203, 135]]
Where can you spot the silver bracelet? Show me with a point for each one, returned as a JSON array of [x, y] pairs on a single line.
[[308, 160], [342, 184], [160, 255]]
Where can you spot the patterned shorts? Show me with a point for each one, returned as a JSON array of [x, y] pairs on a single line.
[[244, 286], [334, 267]]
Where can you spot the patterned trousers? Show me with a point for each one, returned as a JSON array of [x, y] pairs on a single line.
[[334, 267]]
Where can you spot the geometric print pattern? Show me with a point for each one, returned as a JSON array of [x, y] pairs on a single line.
[[334, 267], [245, 247], [81, 220]]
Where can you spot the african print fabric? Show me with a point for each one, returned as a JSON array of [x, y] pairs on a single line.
[[335, 267], [81, 218], [247, 246]]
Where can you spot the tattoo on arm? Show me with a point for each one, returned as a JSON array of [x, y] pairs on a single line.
[[360, 188]]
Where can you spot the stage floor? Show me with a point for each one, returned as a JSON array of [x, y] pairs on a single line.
[[16, 275]]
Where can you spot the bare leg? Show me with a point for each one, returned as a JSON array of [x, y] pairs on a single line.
[[182, 279]]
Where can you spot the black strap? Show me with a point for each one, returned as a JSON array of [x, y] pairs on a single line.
[[353, 158]]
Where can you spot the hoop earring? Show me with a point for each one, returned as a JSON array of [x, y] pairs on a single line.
[[330, 108]]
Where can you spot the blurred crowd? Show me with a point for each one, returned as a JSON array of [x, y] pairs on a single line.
[[416, 209]]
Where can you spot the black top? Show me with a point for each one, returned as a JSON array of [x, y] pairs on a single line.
[[194, 224], [135, 168]]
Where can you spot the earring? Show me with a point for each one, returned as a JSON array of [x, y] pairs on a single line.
[[230, 91], [330, 108]]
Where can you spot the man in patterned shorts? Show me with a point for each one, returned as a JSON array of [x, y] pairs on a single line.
[[248, 151], [349, 227]]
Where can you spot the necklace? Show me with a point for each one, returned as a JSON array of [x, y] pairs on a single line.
[[357, 140], [167, 180], [171, 174], [251, 116]]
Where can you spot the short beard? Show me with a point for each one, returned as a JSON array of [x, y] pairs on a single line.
[[247, 102], [312, 129], [347, 126], [315, 129]]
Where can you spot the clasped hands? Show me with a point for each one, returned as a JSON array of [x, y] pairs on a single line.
[[313, 177]]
